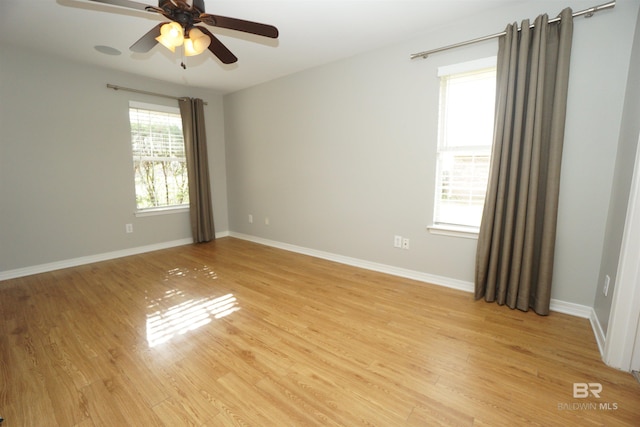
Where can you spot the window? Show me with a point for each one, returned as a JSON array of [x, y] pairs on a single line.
[[465, 136], [159, 161]]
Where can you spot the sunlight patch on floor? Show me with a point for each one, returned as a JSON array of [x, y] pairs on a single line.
[[164, 324], [205, 272]]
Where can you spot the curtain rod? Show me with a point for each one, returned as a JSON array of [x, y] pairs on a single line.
[[588, 13], [144, 92]]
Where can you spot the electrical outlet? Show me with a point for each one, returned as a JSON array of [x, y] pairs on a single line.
[[405, 243], [250, 219], [128, 228], [607, 281], [266, 221], [397, 241]]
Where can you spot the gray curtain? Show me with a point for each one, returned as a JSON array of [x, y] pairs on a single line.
[[514, 261], [195, 141]]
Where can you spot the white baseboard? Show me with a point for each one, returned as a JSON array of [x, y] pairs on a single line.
[[58, 265], [570, 308], [598, 332], [74, 262], [367, 265], [556, 305]]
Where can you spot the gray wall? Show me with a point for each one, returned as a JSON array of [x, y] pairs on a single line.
[[627, 146], [341, 158], [66, 172]]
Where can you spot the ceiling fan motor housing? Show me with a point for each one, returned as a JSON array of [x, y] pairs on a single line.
[[196, 5], [180, 12]]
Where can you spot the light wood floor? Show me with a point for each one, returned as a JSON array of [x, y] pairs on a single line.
[[234, 333]]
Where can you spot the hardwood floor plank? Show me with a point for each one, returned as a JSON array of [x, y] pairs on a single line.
[[69, 359], [102, 406], [282, 393], [173, 412], [232, 333], [433, 413]]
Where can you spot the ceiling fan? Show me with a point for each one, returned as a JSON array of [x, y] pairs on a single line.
[[181, 30]]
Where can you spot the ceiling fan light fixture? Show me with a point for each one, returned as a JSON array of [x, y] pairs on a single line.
[[196, 42], [182, 17], [171, 36]]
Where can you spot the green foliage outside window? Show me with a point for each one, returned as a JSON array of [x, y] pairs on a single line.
[[159, 159]]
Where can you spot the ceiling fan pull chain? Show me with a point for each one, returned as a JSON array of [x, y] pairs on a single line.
[[182, 64]]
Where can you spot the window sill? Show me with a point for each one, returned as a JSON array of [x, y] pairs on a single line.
[[454, 231], [161, 211]]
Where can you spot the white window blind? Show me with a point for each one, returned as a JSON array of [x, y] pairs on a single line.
[[159, 160], [465, 136]]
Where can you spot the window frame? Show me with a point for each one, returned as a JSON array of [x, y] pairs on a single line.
[[155, 210], [443, 228]]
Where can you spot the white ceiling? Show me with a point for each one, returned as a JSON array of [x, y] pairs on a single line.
[[312, 33]]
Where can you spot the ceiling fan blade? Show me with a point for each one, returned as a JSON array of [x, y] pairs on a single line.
[[148, 41], [218, 49], [240, 25], [124, 3]]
